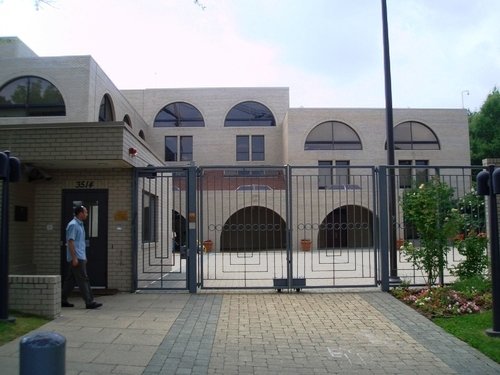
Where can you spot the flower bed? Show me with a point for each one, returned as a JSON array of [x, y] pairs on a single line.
[[444, 301]]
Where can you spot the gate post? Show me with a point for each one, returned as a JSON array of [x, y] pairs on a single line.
[[192, 220], [289, 221], [384, 227]]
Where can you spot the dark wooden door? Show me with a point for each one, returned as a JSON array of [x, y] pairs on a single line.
[[96, 231]]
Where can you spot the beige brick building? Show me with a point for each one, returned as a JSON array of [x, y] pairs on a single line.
[[80, 139]]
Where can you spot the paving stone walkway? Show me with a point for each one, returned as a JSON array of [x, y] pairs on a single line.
[[367, 332]]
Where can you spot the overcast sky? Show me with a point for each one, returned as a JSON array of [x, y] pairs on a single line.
[[444, 53]]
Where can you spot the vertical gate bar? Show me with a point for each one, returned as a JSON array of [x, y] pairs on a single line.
[[201, 223], [384, 228], [151, 262], [192, 219], [441, 257], [289, 220], [158, 225], [135, 236], [141, 211], [375, 223]]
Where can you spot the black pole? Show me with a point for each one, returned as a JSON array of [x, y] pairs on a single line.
[[494, 251], [192, 219], [393, 256], [4, 242]]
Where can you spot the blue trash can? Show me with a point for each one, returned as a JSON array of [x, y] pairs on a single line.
[[42, 353]]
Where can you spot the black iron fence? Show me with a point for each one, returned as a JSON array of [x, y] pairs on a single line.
[[401, 233], [282, 227]]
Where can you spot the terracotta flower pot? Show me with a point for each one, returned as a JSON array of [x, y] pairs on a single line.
[[305, 245], [207, 245]]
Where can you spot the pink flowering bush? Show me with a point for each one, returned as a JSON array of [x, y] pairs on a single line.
[[444, 301]]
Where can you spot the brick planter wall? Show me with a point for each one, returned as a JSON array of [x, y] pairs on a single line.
[[40, 295]]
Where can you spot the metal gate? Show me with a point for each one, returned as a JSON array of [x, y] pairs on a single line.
[[258, 227], [281, 227], [161, 230], [287, 227]]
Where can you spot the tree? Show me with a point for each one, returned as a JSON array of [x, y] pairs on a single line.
[[484, 130]]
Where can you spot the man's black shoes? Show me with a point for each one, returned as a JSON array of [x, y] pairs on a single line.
[[94, 305]]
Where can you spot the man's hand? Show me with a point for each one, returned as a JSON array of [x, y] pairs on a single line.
[[74, 262]]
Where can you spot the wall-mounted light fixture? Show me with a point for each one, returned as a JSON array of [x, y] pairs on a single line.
[[132, 151]]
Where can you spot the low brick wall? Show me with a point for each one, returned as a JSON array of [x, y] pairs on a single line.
[[35, 294]]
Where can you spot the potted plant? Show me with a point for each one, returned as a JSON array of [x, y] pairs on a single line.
[[207, 246], [305, 244], [399, 243]]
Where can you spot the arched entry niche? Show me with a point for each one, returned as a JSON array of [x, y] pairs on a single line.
[[253, 228], [346, 227]]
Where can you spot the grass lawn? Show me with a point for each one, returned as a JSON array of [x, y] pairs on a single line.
[[24, 323], [463, 309], [471, 329]]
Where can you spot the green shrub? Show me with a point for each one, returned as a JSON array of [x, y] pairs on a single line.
[[472, 286], [474, 249], [431, 209], [472, 208]]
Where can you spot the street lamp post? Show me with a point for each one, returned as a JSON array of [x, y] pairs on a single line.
[[393, 256], [466, 92]]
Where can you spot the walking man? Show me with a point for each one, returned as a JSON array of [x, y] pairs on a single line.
[[76, 256]]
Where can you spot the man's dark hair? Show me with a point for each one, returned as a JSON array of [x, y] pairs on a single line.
[[79, 209]]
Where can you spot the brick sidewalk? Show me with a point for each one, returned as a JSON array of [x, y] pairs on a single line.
[[261, 332]]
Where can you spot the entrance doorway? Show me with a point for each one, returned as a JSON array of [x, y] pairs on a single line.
[[96, 231]]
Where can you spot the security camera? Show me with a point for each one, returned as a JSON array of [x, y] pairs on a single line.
[[35, 173]]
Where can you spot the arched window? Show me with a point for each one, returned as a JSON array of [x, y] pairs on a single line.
[[30, 96], [141, 134], [411, 135], [106, 112], [179, 114], [333, 135], [250, 114], [126, 120]]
